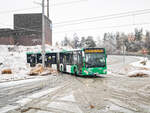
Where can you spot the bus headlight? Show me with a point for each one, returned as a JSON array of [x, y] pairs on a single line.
[[105, 71]]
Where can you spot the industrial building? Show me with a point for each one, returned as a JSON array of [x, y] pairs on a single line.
[[27, 31]]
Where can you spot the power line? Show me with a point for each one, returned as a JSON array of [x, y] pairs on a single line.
[[131, 12], [105, 17], [66, 3], [125, 25]]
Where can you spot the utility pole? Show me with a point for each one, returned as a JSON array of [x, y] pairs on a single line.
[[48, 8], [123, 53], [123, 50], [43, 35], [43, 29]]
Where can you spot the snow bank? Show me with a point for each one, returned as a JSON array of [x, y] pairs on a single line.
[[140, 65], [139, 73], [140, 70]]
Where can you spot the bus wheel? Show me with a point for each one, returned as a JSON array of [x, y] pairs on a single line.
[[75, 71], [61, 69]]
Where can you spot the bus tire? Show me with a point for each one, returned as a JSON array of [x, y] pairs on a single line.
[[61, 69], [75, 71]]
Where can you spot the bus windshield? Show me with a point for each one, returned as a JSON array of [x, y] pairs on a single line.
[[94, 60]]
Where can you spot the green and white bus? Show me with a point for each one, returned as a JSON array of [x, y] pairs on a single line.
[[86, 61]]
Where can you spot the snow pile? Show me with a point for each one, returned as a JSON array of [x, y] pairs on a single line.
[[12, 57], [140, 65], [140, 68], [37, 70], [14, 60], [139, 73]]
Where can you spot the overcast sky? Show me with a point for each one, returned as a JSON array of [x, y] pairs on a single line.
[[78, 10]]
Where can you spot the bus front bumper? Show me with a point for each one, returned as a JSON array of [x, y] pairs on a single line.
[[94, 71]]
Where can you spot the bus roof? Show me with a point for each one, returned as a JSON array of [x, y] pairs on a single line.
[[29, 53]]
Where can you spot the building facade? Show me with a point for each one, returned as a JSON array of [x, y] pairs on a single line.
[[27, 30]]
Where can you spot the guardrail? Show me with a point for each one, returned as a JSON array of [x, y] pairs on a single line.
[[148, 56]]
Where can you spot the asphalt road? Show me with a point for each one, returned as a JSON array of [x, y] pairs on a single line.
[[10, 92], [119, 64]]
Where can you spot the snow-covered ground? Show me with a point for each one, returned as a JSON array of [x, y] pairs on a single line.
[[140, 68], [106, 94], [14, 58]]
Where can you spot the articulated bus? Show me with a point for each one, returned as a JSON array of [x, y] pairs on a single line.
[[36, 58], [86, 61]]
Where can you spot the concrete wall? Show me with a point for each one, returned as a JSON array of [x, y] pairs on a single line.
[[28, 21], [29, 40], [33, 22], [6, 37], [48, 31], [7, 40]]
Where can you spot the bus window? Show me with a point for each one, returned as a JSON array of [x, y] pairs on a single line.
[[95, 60], [75, 58], [54, 59], [61, 57], [71, 58], [67, 58], [79, 58]]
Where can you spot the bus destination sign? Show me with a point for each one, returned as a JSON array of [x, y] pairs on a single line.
[[94, 51]]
